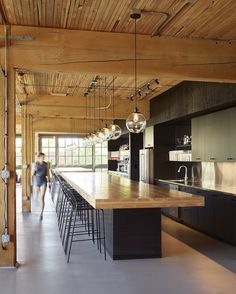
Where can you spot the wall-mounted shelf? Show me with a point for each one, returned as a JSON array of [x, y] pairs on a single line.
[[186, 146], [180, 155]]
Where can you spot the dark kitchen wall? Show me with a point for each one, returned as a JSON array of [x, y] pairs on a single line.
[[190, 99]]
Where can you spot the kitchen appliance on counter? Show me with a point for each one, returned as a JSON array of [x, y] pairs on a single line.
[[146, 165], [123, 165]]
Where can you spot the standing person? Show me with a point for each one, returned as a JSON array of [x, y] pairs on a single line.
[[41, 177]]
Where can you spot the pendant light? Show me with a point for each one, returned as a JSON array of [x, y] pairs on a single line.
[[95, 138], [89, 137], [115, 130], [99, 133], [85, 140], [136, 122], [107, 135]]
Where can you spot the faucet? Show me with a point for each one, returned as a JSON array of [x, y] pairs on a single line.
[[186, 172]]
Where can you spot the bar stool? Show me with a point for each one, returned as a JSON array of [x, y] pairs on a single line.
[[77, 219]]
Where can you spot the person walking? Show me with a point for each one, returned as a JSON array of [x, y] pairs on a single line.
[[41, 177]]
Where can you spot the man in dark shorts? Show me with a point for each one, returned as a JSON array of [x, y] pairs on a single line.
[[41, 177]]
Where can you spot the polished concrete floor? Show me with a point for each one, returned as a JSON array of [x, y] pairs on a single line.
[[192, 263]]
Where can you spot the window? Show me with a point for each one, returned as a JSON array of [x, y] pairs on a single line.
[[48, 146], [18, 152], [101, 156], [69, 151]]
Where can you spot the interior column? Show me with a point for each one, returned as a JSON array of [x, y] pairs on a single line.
[[26, 179], [8, 199]]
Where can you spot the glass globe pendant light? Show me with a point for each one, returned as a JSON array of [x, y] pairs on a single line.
[[90, 141], [93, 139], [100, 136], [135, 122], [114, 130], [87, 142], [106, 133], [86, 138]]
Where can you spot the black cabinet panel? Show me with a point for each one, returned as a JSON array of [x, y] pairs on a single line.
[[205, 216], [135, 144], [217, 218], [233, 225], [185, 215], [230, 221], [133, 233]]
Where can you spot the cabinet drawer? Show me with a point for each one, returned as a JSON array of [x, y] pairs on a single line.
[[190, 190]]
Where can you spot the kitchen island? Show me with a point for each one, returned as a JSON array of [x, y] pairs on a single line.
[[132, 210]]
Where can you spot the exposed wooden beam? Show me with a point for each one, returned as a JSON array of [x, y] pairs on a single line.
[[68, 126], [112, 53], [72, 106]]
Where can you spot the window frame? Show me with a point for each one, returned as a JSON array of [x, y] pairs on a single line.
[[89, 153]]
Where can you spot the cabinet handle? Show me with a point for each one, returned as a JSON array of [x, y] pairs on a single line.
[[230, 158], [233, 199], [198, 158], [212, 158]]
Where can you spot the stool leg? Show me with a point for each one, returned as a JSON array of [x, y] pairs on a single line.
[[104, 235], [71, 241]]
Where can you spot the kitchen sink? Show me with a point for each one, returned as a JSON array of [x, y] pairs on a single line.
[[182, 181], [178, 181]]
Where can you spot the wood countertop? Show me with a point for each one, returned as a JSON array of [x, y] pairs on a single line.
[[106, 191]]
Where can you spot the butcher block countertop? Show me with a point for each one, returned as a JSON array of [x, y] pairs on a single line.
[[106, 191]]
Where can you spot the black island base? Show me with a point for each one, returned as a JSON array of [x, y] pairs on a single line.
[[133, 233]]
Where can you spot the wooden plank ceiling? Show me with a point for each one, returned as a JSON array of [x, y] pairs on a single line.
[[36, 83], [206, 19], [189, 18]]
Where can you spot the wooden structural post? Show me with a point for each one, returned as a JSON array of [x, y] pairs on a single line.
[[8, 206], [26, 179]]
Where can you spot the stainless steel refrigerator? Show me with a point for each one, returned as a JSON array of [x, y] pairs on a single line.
[[146, 165]]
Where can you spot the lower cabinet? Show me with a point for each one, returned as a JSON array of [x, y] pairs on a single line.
[[217, 218], [172, 212], [189, 216]]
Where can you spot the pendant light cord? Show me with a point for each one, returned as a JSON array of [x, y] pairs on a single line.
[[105, 101], [113, 98], [99, 98], [86, 115], [94, 111], [135, 62]]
